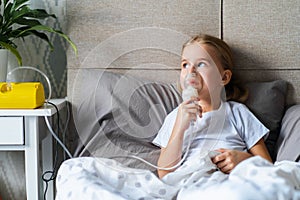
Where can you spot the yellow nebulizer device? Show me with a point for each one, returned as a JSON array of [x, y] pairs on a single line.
[[22, 95]]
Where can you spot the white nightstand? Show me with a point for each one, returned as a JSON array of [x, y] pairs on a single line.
[[20, 130]]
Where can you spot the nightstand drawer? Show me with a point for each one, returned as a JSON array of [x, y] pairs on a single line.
[[11, 131]]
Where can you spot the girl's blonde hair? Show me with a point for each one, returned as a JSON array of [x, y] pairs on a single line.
[[234, 91]]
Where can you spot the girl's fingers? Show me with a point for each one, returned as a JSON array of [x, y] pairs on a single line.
[[194, 108], [191, 110], [200, 111], [192, 100]]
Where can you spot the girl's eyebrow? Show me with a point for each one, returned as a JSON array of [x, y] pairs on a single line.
[[199, 59], [204, 59]]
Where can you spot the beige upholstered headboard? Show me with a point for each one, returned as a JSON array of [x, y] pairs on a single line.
[[145, 37]]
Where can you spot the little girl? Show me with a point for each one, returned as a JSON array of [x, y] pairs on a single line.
[[226, 127]]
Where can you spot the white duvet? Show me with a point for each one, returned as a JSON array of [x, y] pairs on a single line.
[[89, 178]]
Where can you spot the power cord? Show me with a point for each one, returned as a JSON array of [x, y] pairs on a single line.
[[56, 136], [66, 128], [53, 173], [47, 101]]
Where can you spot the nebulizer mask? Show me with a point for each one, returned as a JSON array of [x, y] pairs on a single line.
[[190, 82]]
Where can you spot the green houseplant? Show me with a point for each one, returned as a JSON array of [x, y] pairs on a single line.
[[18, 20]]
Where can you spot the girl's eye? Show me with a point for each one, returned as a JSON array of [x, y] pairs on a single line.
[[201, 64], [185, 65]]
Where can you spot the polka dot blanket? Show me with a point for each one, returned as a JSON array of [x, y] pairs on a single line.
[[92, 178]]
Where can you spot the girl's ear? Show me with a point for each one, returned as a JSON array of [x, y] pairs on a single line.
[[226, 76]]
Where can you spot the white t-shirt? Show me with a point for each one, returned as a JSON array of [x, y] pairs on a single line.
[[232, 126]]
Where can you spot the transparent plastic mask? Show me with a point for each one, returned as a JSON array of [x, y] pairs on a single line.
[[190, 82]]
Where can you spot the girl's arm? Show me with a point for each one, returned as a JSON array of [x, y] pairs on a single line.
[[172, 153], [228, 159], [260, 149]]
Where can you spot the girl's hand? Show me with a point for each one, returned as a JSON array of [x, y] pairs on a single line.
[[229, 159], [187, 112]]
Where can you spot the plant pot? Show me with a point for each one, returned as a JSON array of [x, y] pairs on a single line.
[[3, 64]]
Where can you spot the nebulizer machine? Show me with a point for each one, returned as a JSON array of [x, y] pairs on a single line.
[[22, 95], [27, 95]]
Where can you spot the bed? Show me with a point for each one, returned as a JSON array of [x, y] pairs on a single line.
[[124, 82]]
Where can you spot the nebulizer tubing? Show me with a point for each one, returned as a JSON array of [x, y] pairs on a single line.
[[46, 101], [30, 68], [191, 137], [187, 94], [56, 138]]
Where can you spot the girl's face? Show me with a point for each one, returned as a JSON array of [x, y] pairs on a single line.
[[203, 61]]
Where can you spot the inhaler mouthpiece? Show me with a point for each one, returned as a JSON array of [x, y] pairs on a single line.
[[189, 90]]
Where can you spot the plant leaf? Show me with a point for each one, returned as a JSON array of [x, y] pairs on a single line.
[[13, 50], [19, 3], [19, 13], [4, 39], [5, 2], [39, 14], [7, 10], [17, 33], [68, 40], [28, 22], [1, 20], [40, 35], [51, 30]]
